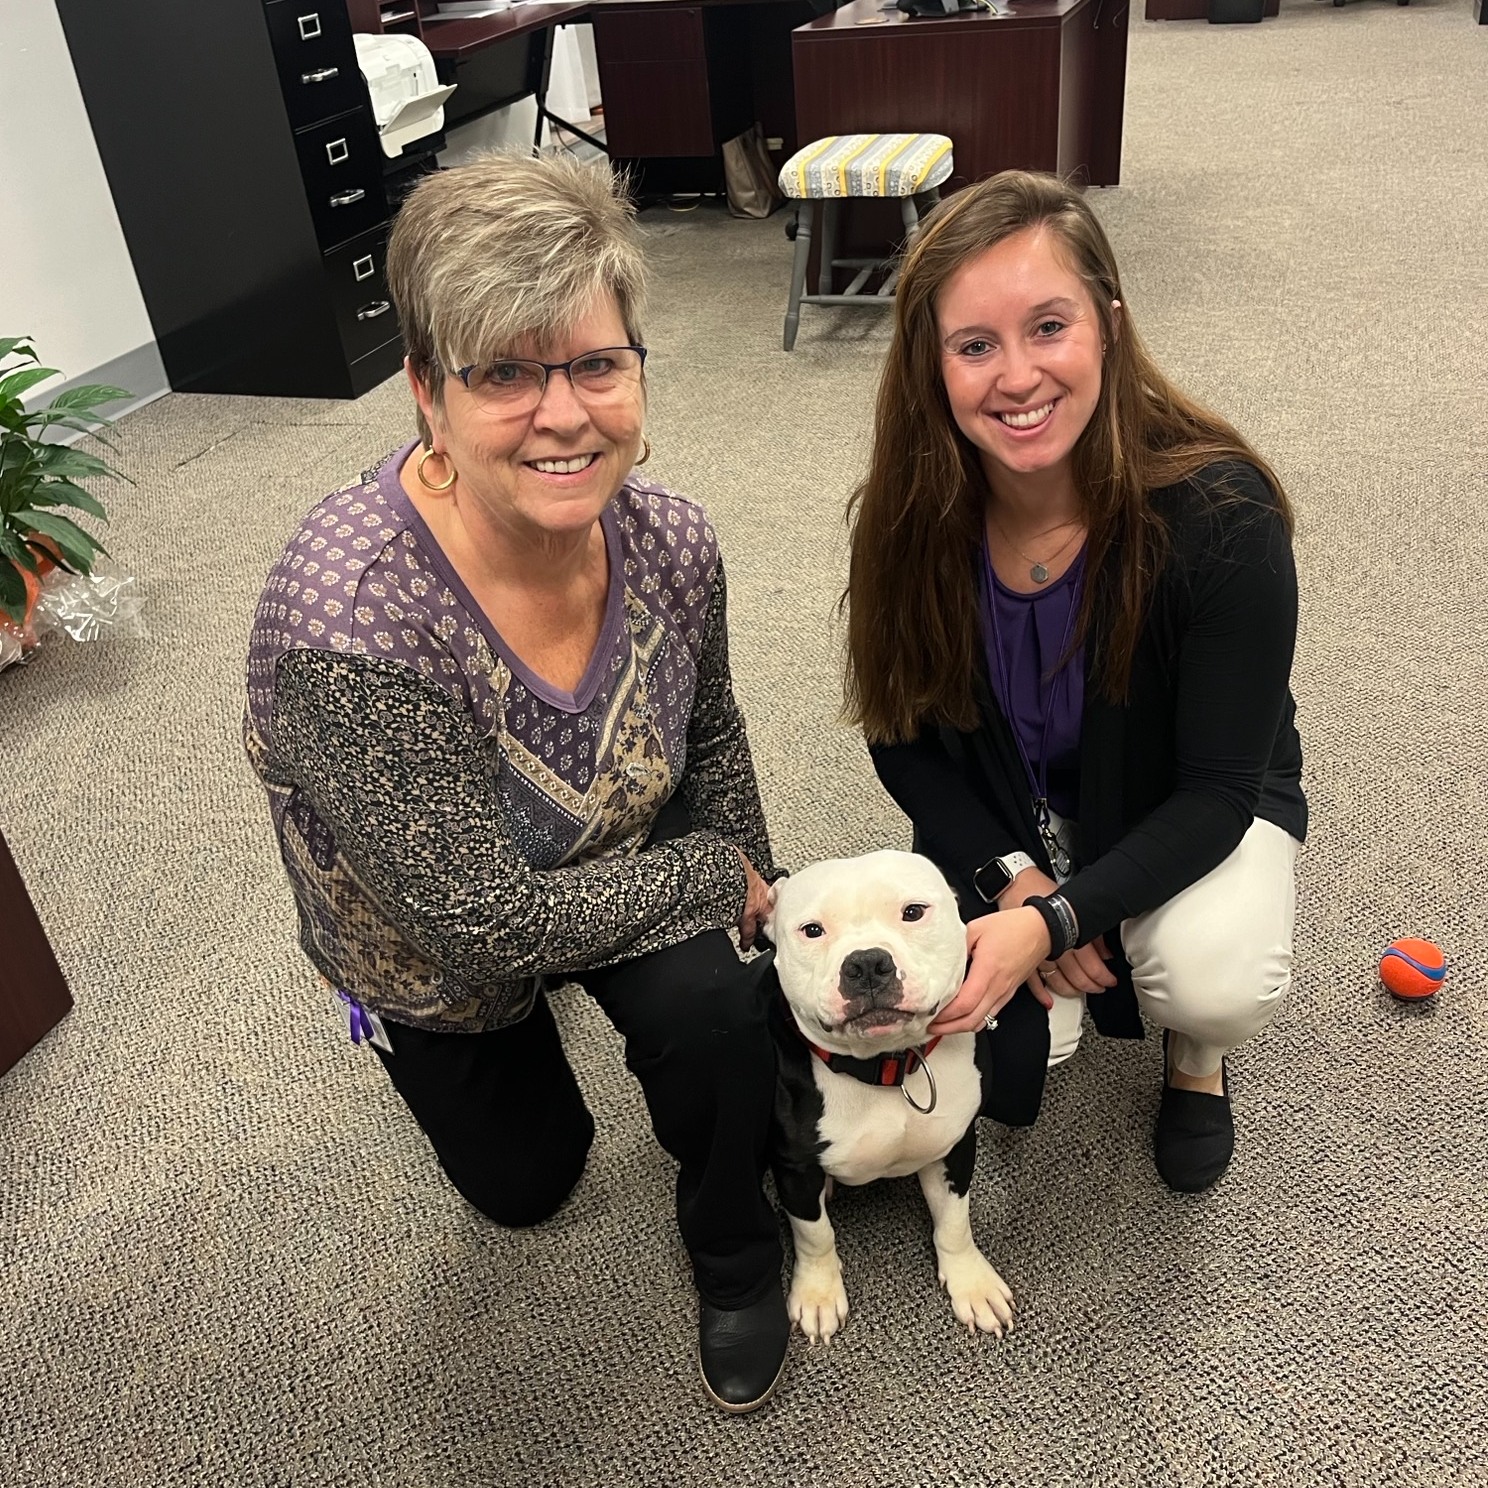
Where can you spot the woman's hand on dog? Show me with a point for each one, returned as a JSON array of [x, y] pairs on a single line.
[[756, 903], [1004, 949]]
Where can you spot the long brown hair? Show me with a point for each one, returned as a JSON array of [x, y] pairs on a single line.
[[913, 629]]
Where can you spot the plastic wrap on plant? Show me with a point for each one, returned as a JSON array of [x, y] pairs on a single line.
[[90, 607], [12, 648]]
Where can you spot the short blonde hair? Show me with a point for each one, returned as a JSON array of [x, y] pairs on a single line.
[[505, 249]]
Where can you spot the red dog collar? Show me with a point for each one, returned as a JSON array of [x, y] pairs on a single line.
[[891, 1070]]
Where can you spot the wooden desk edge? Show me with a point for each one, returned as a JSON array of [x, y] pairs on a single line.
[[850, 18], [467, 35], [475, 33]]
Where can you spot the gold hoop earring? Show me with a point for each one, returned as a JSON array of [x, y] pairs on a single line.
[[424, 480], [645, 450]]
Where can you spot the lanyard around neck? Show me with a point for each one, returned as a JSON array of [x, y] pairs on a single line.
[[1038, 781]]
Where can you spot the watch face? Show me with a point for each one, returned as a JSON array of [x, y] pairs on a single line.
[[990, 880]]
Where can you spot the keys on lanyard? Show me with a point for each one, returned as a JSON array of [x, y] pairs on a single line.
[[1059, 854]]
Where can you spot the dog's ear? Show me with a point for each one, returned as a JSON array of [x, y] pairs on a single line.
[[769, 924]]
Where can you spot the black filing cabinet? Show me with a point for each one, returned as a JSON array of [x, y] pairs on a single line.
[[242, 155]]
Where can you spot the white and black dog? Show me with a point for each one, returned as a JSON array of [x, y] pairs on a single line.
[[869, 950]]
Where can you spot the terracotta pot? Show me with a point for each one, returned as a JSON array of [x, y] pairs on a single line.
[[45, 563]]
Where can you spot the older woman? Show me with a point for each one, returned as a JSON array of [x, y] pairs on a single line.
[[1073, 611], [489, 697]]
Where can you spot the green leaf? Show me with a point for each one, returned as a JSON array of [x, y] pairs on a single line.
[[44, 418], [17, 383], [74, 464], [75, 545], [15, 489], [15, 453], [20, 345], [12, 594], [89, 395], [64, 493], [13, 548]]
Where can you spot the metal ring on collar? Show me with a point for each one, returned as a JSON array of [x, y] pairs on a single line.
[[914, 1054]]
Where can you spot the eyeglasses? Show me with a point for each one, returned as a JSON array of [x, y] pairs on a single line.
[[517, 386]]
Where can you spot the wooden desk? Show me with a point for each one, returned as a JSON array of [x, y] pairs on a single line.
[[1193, 10], [496, 60], [459, 38], [33, 996], [679, 77], [1039, 86]]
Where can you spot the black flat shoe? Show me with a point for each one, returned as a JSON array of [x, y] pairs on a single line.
[[741, 1353], [1194, 1138]]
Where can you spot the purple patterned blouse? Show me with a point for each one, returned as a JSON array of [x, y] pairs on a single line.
[[455, 829]]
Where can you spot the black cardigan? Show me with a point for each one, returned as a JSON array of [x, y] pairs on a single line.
[[1170, 780]]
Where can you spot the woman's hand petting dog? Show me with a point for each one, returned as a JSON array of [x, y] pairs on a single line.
[[1004, 948], [756, 903]]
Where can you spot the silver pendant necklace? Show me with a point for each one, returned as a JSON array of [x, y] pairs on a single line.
[[1038, 572]]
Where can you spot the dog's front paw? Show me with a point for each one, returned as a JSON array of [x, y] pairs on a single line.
[[980, 1297], [818, 1300]]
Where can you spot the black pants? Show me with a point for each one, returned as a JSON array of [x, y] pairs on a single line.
[[1014, 1060], [510, 1127]]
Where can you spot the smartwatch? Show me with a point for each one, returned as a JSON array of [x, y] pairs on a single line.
[[993, 877]]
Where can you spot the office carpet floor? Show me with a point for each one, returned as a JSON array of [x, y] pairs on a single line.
[[227, 1255]]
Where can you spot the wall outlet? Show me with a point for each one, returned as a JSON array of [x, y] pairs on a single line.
[[775, 142]]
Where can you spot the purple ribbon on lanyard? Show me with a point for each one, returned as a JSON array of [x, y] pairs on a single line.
[[357, 1018]]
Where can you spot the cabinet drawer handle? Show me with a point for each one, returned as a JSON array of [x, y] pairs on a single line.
[[306, 23], [337, 151], [320, 75], [363, 268], [346, 198], [372, 311]]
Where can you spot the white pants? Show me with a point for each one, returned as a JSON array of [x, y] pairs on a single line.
[[1214, 963]]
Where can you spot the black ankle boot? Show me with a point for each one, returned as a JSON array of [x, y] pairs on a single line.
[[741, 1352], [1194, 1138]]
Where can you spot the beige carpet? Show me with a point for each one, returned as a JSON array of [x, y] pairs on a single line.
[[226, 1255]]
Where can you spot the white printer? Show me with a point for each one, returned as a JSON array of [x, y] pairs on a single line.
[[407, 97]]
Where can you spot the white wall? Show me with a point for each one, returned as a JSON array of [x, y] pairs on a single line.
[[65, 274]]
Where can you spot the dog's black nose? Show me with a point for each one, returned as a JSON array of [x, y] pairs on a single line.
[[865, 973]]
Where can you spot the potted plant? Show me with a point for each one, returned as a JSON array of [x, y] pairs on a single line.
[[39, 480]]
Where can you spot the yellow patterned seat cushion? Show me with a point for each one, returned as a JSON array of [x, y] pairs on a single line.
[[867, 165]]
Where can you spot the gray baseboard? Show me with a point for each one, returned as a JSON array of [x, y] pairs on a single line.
[[141, 371]]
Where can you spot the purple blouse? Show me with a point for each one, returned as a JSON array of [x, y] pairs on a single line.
[[1025, 636]]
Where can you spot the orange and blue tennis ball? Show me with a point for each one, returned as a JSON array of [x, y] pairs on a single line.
[[1413, 969]]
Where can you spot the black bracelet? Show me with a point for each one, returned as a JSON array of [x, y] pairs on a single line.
[[1059, 919], [1066, 912]]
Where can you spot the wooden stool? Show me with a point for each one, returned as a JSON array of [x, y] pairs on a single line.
[[827, 172]]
